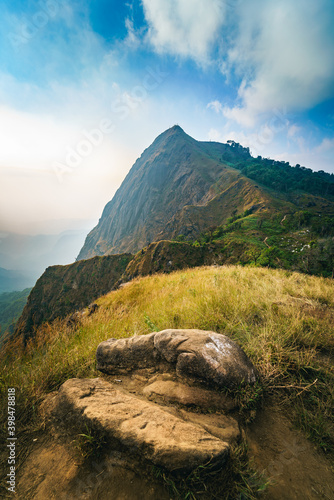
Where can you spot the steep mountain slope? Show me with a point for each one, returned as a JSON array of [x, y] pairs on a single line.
[[173, 173], [180, 186]]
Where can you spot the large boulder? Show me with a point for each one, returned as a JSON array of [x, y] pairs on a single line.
[[205, 356], [140, 427]]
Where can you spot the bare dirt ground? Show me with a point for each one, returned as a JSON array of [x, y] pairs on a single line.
[[296, 469], [54, 469]]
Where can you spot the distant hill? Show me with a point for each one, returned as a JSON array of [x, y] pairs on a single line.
[[11, 307], [180, 186], [30, 255], [13, 280]]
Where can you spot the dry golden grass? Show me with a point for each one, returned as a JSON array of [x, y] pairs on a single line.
[[283, 320]]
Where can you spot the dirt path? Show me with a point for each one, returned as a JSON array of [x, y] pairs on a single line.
[[52, 471], [296, 469]]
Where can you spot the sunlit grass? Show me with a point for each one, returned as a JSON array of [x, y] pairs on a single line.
[[283, 320]]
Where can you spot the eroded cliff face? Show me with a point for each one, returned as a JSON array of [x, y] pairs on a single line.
[[62, 290], [174, 173]]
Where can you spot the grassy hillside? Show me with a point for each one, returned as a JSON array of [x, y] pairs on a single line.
[[283, 320], [298, 241], [11, 307]]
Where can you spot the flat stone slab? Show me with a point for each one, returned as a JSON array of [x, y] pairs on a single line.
[[177, 392], [207, 356], [142, 427]]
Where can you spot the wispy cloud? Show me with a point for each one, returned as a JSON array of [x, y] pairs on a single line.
[[284, 53], [280, 52], [216, 106], [183, 28]]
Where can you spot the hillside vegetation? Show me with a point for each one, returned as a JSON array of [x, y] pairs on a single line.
[[183, 187], [292, 241], [299, 241], [11, 307], [283, 320]]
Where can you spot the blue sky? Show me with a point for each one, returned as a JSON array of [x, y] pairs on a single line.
[[86, 86]]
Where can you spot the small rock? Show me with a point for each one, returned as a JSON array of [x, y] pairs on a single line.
[[92, 308], [75, 318]]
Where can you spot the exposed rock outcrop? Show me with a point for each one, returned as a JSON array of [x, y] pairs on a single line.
[[205, 356], [142, 428], [168, 191], [176, 392], [136, 413]]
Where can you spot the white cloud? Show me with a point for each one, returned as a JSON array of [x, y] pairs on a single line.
[[293, 130], [184, 28], [281, 51], [327, 145], [216, 106], [284, 53], [133, 37]]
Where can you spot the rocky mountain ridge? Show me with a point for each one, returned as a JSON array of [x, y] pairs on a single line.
[[175, 175], [180, 186]]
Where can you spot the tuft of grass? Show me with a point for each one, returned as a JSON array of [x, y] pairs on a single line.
[[237, 479], [90, 443], [283, 320]]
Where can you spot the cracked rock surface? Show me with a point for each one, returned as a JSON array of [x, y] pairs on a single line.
[[142, 427], [162, 398], [208, 356]]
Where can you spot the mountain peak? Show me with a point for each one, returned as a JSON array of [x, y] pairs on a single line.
[[174, 134], [176, 129]]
